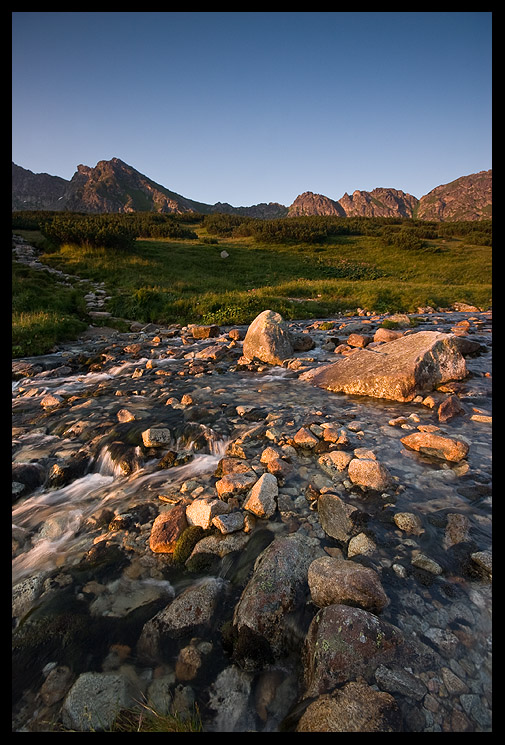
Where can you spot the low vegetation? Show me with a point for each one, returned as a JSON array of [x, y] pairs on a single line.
[[170, 268]]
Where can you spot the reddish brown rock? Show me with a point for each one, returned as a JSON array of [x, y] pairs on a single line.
[[397, 370], [356, 707], [369, 473], [205, 332], [438, 446], [449, 408], [167, 528], [384, 335], [358, 340]]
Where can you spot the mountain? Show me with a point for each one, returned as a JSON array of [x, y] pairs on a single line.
[[35, 191], [466, 198], [377, 203], [114, 186], [314, 204]]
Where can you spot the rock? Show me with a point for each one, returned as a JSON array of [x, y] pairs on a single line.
[[234, 484], [268, 339], [156, 437], [278, 588], [408, 522], [449, 408], [95, 700], [384, 335], [457, 529], [304, 438], [421, 561], [262, 499], [400, 681], [51, 400], [438, 446], [205, 332], [483, 559], [397, 370], [334, 462], [167, 528], [203, 511], [229, 523], [361, 544], [230, 697], [333, 580], [336, 517], [343, 643], [56, 685], [369, 473], [358, 340], [188, 663], [356, 707], [302, 342], [191, 612]]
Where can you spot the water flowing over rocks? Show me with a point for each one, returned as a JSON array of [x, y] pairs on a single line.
[[194, 526]]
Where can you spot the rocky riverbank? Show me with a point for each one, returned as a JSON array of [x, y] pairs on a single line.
[[195, 527]]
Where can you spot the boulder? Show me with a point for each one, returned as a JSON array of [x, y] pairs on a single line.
[[337, 518], [333, 580], [356, 707], [167, 528], [369, 473], [343, 643], [96, 699], [397, 370], [191, 612], [438, 446], [268, 339], [277, 589]]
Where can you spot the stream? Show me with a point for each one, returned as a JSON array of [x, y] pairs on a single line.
[[94, 484]]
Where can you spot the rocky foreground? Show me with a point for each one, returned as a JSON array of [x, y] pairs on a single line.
[[214, 517]]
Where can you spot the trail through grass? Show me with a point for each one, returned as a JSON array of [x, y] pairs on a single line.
[[187, 281]]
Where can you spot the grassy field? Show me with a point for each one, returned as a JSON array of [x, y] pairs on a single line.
[[183, 281]]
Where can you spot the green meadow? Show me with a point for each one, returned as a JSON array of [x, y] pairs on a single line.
[[186, 280]]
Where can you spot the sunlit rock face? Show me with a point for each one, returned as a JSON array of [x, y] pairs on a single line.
[[398, 370], [268, 339]]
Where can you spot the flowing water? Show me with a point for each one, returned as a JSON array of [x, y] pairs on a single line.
[[55, 526]]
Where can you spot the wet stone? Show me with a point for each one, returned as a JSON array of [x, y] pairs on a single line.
[[162, 581]]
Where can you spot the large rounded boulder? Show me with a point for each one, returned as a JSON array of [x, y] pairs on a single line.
[[268, 339]]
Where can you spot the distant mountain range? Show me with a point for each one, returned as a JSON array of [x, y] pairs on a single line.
[[114, 186]]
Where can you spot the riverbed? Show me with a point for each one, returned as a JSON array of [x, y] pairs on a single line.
[[78, 418]]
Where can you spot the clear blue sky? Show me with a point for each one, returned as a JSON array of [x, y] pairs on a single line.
[[252, 107]]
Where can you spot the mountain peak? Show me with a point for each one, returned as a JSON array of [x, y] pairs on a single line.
[[114, 186]]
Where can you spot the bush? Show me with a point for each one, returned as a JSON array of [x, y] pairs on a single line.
[[97, 231]]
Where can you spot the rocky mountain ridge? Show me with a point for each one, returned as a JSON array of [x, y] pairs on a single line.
[[114, 186]]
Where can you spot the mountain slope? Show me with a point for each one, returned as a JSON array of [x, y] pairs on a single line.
[[36, 191], [114, 186], [466, 198]]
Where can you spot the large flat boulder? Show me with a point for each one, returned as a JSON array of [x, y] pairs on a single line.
[[397, 370], [268, 339]]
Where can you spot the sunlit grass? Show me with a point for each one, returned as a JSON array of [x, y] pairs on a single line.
[[187, 281]]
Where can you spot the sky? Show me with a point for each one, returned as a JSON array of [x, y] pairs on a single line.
[[250, 107]]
